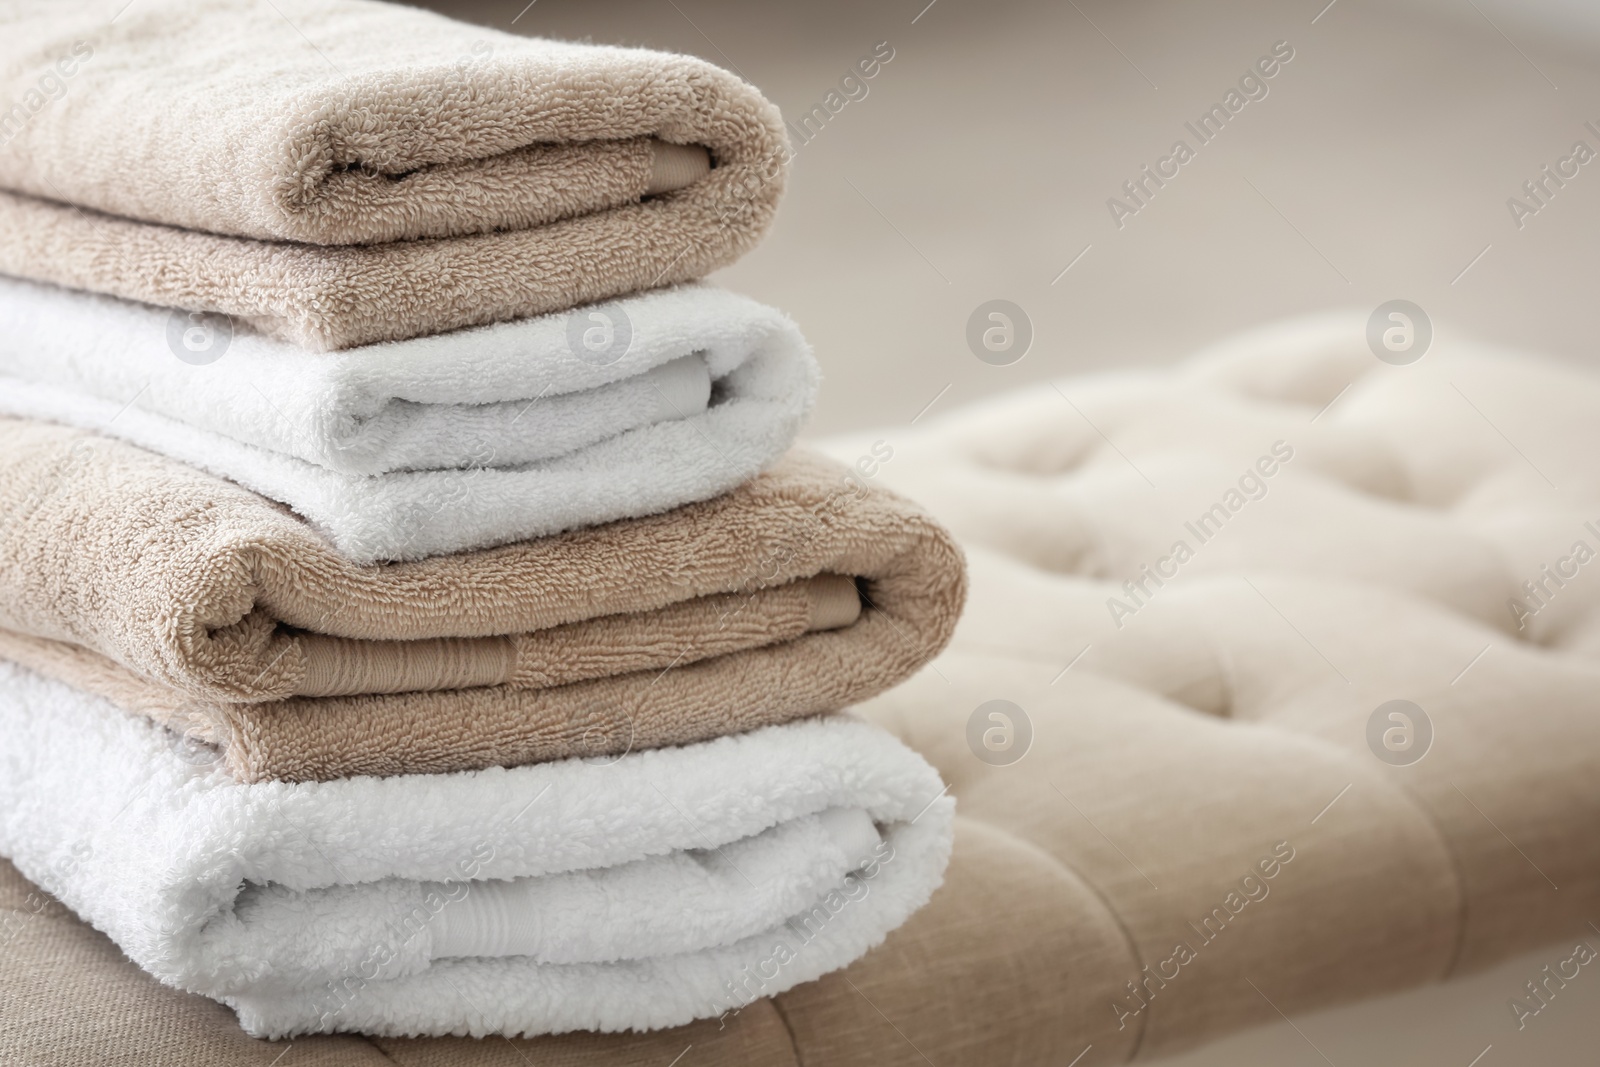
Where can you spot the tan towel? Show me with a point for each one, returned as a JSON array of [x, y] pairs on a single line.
[[343, 172], [187, 598]]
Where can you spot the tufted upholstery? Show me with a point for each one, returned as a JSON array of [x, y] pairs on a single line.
[[1221, 727], [1230, 707]]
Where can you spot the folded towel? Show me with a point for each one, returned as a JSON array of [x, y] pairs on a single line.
[[493, 396], [799, 592], [668, 886], [704, 390], [343, 172]]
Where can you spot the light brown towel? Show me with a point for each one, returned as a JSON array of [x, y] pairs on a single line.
[[187, 598], [343, 172]]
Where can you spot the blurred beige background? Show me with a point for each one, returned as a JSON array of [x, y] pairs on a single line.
[[978, 166]]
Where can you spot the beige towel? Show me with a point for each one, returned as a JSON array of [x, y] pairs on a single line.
[[187, 598], [343, 172]]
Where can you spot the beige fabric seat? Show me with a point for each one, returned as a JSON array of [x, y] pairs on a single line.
[[1220, 732]]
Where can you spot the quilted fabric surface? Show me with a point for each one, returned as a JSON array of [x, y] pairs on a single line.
[[1204, 588]]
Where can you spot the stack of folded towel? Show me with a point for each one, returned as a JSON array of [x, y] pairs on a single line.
[[392, 638]]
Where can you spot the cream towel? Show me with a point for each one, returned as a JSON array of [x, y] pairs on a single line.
[[340, 172], [797, 593]]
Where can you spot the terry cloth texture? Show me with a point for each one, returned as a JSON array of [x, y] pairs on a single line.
[[797, 593], [495, 396], [699, 390], [1220, 727], [341, 172], [634, 894]]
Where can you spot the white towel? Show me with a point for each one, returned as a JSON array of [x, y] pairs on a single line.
[[438, 444], [665, 886]]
